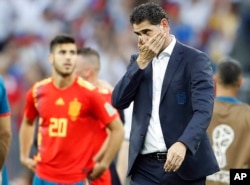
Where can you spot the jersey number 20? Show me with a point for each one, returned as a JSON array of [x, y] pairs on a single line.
[[58, 127]]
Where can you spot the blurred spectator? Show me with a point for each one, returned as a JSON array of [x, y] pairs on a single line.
[[28, 14], [222, 26], [183, 31], [241, 49], [196, 13], [6, 13]]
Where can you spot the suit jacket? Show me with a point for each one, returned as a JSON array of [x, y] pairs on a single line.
[[185, 110]]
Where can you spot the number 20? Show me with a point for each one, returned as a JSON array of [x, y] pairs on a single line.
[[58, 127]]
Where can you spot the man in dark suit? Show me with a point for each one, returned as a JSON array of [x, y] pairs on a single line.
[[171, 85]]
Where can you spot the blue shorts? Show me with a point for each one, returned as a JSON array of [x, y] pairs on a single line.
[[38, 181], [4, 176]]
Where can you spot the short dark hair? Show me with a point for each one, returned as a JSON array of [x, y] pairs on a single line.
[[61, 39], [88, 51], [150, 11], [229, 71]]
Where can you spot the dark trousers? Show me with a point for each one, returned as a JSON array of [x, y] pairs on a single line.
[[114, 175], [148, 171]]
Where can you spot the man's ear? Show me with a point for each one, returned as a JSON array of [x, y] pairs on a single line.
[[164, 24], [87, 71], [240, 82]]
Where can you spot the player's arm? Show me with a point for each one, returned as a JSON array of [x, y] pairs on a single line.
[[116, 136], [115, 139], [103, 148], [5, 138], [5, 124], [27, 130], [103, 84], [26, 139]]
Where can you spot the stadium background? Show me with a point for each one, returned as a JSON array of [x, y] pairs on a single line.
[[218, 27]]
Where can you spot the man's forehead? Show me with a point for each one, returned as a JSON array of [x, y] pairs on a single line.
[[68, 46], [145, 25]]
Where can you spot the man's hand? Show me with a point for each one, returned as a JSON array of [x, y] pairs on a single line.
[[29, 163], [175, 157], [98, 169], [150, 49]]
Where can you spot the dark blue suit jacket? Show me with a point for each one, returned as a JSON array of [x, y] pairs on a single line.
[[186, 107]]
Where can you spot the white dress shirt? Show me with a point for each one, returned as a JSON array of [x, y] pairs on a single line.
[[154, 141]]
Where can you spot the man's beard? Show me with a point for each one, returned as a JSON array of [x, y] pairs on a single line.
[[62, 74]]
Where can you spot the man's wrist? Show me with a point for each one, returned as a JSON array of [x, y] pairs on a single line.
[[141, 60], [142, 63]]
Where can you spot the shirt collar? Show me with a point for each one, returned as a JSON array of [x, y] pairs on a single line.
[[169, 49], [228, 99]]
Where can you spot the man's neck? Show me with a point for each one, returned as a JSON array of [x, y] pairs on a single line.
[[63, 82], [229, 92], [93, 80]]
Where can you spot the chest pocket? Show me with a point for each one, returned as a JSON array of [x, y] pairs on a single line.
[[179, 89]]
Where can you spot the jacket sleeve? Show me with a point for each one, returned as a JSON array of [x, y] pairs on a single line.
[[202, 97], [125, 90]]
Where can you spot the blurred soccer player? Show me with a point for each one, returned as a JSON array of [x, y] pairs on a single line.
[[67, 107], [5, 131], [88, 67], [230, 125]]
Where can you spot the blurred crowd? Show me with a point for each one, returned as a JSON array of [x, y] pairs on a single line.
[[218, 27]]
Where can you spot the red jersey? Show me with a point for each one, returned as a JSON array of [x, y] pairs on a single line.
[[67, 124], [100, 138], [101, 134]]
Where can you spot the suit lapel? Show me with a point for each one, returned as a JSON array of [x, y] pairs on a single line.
[[149, 79], [173, 64]]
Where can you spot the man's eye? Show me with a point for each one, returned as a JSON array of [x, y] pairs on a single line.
[[145, 32]]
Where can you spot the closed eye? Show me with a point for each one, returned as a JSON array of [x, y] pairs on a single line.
[[143, 32]]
